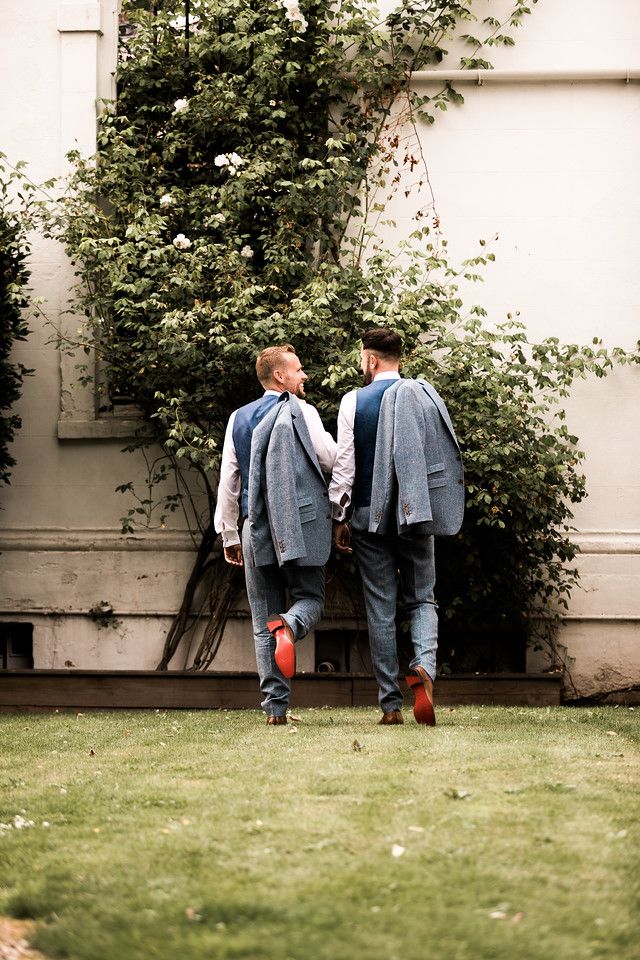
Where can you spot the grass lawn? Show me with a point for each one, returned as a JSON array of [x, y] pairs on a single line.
[[502, 833]]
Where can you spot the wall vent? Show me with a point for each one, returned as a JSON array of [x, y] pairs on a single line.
[[342, 651]]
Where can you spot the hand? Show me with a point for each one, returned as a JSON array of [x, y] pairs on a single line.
[[342, 536], [233, 555]]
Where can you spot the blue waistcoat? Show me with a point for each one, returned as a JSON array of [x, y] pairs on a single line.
[[365, 428], [246, 420]]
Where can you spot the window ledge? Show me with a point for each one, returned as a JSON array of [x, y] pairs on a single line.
[[107, 429]]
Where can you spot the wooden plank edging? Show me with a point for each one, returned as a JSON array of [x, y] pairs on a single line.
[[173, 689]]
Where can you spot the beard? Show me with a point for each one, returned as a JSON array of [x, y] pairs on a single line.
[[367, 378], [300, 394]]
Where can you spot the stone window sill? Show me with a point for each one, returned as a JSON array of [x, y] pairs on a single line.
[[106, 429]]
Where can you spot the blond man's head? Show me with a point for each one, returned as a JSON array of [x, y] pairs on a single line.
[[278, 368]]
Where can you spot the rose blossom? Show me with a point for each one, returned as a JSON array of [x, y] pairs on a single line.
[[181, 242]]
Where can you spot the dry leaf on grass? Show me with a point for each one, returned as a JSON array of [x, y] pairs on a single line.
[[13, 940]]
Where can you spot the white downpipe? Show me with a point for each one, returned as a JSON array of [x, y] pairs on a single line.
[[480, 77]]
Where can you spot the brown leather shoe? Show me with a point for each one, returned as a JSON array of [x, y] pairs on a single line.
[[392, 717], [422, 689], [276, 721]]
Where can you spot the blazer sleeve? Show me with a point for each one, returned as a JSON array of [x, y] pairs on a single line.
[[412, 448], [282, 502]]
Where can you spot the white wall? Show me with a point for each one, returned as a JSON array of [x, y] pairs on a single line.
[[61, 548], [552, 168]]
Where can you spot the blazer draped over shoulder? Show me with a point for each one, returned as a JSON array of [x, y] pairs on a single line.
[[289, 516], [418, 476]]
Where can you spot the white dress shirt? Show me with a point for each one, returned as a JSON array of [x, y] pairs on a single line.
[[227, 508], [344, 469]]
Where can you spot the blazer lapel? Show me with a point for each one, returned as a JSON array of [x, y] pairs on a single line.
[[444, 413]]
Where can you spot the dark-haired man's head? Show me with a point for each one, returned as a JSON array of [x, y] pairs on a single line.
[[381, 351]]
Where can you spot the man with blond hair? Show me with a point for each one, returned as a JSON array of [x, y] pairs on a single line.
[[271, 585]]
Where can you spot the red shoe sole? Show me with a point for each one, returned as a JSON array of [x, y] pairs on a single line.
[[423, 707], [285, 652]]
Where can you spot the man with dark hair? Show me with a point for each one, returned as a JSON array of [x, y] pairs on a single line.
[[398, 476], [280, 372], [383, 345]]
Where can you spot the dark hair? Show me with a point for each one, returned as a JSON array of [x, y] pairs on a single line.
[[383, 341]]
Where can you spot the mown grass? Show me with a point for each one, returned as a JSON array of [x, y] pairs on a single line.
[[191, 836]]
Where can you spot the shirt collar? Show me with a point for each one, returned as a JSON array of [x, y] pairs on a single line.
[[387, 375]]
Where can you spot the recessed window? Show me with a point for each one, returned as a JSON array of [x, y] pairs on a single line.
[[16, 646]]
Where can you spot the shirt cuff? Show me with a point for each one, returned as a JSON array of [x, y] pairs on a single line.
[[230, 538]]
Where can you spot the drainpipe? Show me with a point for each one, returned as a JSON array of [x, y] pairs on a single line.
[[572, 75]]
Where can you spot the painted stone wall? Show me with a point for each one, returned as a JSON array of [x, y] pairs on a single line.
[[548, 165]]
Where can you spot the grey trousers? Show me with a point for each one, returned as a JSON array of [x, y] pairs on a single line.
[[295, 592], [387, 562]]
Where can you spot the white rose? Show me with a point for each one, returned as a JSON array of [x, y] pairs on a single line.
[[246, 252], [181, 242], [236, 160], [300, 24], [221, 160], [180, 105], [166, 200]]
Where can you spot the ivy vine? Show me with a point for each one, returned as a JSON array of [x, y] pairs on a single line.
[[14, 278]]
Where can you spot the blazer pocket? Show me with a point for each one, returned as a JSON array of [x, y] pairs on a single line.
[[436, 482], [434, 468], [307, 509]]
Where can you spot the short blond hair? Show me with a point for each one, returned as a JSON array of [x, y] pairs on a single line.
[[269, 360]]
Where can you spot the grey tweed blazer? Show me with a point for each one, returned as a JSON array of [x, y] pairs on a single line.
[[289, 516], [418, 476]]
